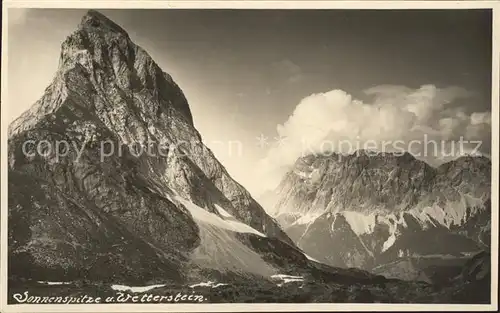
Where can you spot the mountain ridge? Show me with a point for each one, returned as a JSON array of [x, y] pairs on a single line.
[[371, 198]]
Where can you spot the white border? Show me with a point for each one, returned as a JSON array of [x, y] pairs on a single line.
[[261, 4]]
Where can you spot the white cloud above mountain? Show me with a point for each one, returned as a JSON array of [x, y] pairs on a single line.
[[428, 122]]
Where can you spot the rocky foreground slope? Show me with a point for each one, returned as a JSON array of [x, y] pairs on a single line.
[[89, 210]]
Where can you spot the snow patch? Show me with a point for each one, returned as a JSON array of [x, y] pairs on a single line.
[[55, 282], [135, 289], [285, 279], [284, 276], [332, 227], [310, 258], [389, 242], [429, 215], [307, 218], [215, 220], [360, 223], [219, 247], [208, 284], [222, 212], [449, 214]]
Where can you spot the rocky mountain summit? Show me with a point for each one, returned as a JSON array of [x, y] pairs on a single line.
[[100, 208], [367, 209], [110, 183]]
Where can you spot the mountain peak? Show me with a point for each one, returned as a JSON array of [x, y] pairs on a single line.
[[100, 67], [96, 20], [97, 37]]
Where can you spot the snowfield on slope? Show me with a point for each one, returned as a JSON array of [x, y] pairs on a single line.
[[285, 279], [134, 289], [229, 223], [55, 283], [208, 284], [219, 247], [451, 213]]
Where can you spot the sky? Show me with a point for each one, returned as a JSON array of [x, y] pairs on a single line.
[[267, 86]]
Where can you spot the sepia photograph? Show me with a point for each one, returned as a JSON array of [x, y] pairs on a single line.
[[288, 156]]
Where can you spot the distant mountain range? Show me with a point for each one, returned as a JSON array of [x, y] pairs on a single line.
[[369, 209]]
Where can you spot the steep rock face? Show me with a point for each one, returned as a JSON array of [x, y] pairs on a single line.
[[106, 170], [367, 209]]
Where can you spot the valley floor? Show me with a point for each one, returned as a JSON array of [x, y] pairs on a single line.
[[293, 291]]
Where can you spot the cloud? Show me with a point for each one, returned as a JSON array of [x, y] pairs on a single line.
[[397, 119]]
